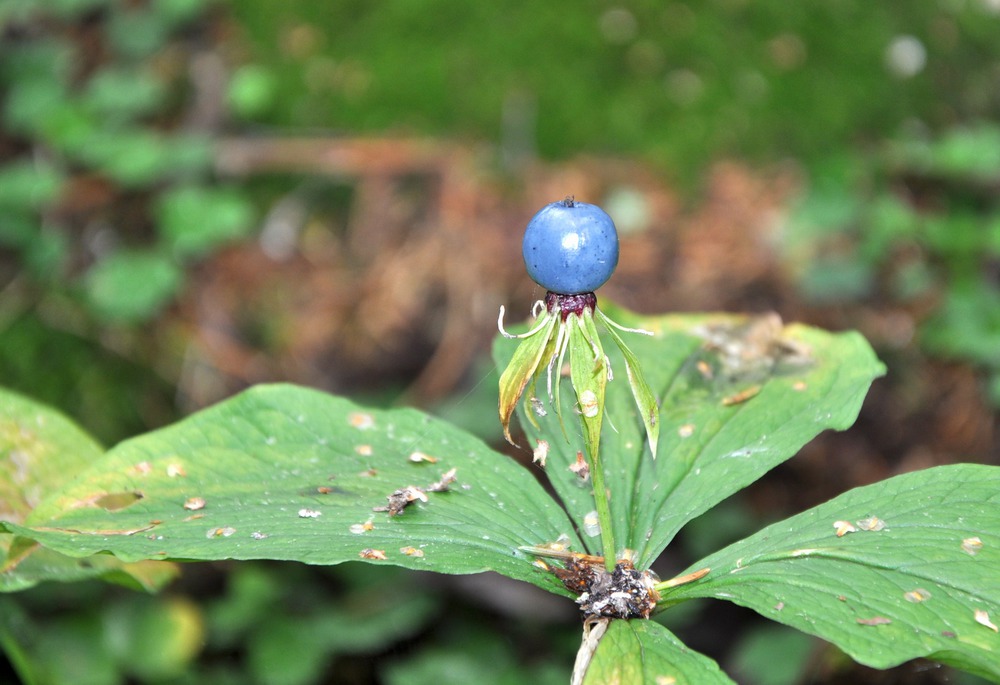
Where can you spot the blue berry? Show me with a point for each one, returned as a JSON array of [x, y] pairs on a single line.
[[570, 247]]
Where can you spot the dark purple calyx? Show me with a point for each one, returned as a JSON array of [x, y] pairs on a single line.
[[556, 303]]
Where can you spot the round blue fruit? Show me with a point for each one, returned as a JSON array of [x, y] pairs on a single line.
[[570, 247]]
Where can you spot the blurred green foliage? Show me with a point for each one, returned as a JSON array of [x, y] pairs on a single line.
[[677, 83], [914, 225], [95, 107]]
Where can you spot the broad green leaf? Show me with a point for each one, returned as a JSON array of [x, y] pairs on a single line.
[[643, 652], [39, 450], [281, 472], [915, 571], [737, 397]]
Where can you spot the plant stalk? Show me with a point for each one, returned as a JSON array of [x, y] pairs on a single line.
[[603, 509]]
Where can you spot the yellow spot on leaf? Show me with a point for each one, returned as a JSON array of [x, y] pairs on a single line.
[[686, 431]]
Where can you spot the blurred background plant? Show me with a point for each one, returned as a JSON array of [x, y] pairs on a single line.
[[198, 195]]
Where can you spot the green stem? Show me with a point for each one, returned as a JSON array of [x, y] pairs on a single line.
[[603, 510]]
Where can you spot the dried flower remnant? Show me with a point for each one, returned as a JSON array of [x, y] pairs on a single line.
[[194, 503], [971, 546], [842, 528], [983, 618], [369, 553]]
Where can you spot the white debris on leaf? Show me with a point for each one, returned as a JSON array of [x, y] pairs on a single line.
[[309, 513], [843, 528], [983, 618], [971, 546], [541, 453], [871, 523]]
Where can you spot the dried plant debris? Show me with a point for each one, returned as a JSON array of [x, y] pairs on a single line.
[[622, 593], [404, 497], [751, 350]]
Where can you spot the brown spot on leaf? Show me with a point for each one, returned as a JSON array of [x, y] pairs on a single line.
[[741, 396], [369, 553]]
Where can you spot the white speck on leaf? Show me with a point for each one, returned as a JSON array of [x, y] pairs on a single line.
[[541, 453], [592, 524], [686, 431], [843, 528], [224, 532], [420, 457], [309, 513], [257, 535], [174, 470], [588, 404], [195, 503], [983, 618]]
